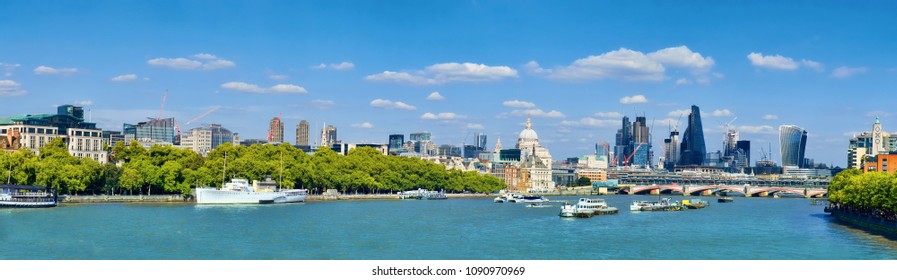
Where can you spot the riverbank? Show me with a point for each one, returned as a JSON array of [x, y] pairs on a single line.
[[82, 199], [877, 224]]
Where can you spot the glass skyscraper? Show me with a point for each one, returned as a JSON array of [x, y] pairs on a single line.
[[793, 140], [692, 149]]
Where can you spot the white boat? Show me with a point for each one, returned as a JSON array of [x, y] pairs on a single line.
[[500, 199], [532, 199], [663, 205], [19, 196], [239, 191], [568, 210]]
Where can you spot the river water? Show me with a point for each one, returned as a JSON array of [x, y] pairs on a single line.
[[746, 229]]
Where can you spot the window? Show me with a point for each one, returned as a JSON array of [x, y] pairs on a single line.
[[79, 144], [30, 130], [78, 133], [40, 130]]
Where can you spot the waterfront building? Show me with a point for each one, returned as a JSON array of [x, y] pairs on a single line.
[[302, 130], [151, 131], [879, 163], [692, 149], [275, 130], [328, 136], [535, 160], [596, 175], [793, 140], [563, 174], [205, 138], [866, 145], [82, 139], [395, 143]]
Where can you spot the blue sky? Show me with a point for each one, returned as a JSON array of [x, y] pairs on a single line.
[[368, 67]]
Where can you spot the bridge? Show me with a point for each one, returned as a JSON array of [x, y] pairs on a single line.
[[746, 190]]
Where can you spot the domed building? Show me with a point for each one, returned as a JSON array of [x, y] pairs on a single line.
[[528, 143], [535, 161]]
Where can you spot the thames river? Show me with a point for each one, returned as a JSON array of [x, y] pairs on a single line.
[[454, 229]]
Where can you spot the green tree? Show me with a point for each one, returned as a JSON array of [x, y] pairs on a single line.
[[584, 181]]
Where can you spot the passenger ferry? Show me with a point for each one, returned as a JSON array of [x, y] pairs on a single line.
[[238, 191], [21, 196]]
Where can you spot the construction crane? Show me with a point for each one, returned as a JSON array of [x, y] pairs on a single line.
[[626, 160], [202, 115], [161, 108], [271, 130], [613, 161]]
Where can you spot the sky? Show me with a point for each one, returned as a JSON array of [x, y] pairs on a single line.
[[454, 68]]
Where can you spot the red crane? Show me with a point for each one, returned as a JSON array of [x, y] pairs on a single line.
[[159, 116], [626, 160], [613, 161], [271, 129]]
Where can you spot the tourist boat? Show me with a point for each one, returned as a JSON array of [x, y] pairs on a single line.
[[21, 196], [532, 199], [422, 194], [434, 195], [695, 203], [594, 206], [238, 191], [724, 199], [663, 205]]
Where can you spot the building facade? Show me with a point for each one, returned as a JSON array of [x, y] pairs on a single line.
[[302, 133], [207, 137], [82, 139], [275, 130], [328, 136], [153, 130], [793, 141]]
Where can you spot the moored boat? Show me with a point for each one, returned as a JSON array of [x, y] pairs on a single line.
[[22, 196], [724, 199], [595, 206], [695, 203], [663, 205], [238, 191], [568, 210], [532, 199]]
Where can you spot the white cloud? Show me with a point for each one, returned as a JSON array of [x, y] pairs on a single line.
[[342, 66], [8, 68], [251, 88], [538, 113], [84, 103], [444, 73], [772, 61], [365, 125], [475, 126], [683, 81], [435, 96], [124, 78], [761, 129], [322, 104], [878, 114], [633, 99], [681, 57], [389, 104], [612, 115], [624, 64], [442, 116], [722, 113], [201, 61], [770, 117], [679, 113], [591, 122], [844, 71], [630, 65], [815, 65], [46, 70], [518, 104], [10, 88]]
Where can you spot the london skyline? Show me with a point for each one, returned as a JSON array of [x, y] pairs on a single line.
[[454, 69]]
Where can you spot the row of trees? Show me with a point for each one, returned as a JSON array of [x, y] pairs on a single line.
[[170, 170], [871, 191]]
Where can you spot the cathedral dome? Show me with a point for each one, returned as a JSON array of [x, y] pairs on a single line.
[[528, 133]]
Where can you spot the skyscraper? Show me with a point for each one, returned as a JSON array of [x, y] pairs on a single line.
[[793, 140], [275, 130], [671, 149], [692, 149], [481, 141], [621, 146], [745, 147], [302, 133]]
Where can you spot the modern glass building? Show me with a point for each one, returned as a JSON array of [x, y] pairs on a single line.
[[793, 140], [395, 142], [154, 130], [692, 149]]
